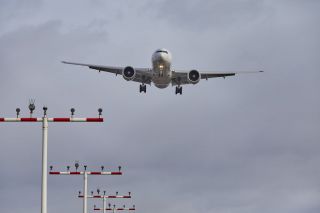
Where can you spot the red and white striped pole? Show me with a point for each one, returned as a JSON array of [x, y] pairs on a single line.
[[104, 197], [44, 120], [85, 174], [115, 209]]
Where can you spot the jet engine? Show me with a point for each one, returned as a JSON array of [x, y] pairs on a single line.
[[194, 76], [128, 73]]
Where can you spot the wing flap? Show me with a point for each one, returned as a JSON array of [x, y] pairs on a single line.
[[115, 70], [143, 75], [181, 77]]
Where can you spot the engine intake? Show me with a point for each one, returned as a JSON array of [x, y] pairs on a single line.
[[194, 76], [128, 73]]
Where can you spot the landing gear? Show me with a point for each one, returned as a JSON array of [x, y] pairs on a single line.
[[179, 90], [143, 88]]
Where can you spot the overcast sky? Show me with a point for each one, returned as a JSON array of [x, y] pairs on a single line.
[[244, 144]]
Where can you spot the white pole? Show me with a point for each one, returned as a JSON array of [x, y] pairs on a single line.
[[85, 193], [44, 164], [104, 204]]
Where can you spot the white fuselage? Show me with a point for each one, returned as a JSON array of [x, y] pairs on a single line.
[[161, 68]]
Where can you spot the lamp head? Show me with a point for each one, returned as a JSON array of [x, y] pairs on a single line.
[[72, 111], [18, 112], [45, 110], [32, 105], [76, 165]]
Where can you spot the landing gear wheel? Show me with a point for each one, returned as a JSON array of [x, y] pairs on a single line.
[[143, 88], [179, 90]]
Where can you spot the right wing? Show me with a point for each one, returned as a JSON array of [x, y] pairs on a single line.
[[143, 75], [181, 77]]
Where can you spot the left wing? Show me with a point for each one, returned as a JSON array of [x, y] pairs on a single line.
[[181, 77], [143, 75]]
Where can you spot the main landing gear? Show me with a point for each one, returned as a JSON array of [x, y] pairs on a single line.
[[143, 88], [179, 90]]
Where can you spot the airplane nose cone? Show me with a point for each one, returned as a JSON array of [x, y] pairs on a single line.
[[162, 57]]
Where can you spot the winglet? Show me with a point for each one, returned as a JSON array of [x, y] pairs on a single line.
[[73, 63]]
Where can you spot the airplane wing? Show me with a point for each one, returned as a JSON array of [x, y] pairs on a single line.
[[181, 77], [143, 75]]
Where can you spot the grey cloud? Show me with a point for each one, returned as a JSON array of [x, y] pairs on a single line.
[[201, 15], [14, 12], [243, 144]]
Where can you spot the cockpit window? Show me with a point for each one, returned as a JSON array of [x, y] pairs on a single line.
[[162, 51]]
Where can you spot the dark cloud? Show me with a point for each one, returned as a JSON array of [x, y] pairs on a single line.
[[243, 144], [201, 15]]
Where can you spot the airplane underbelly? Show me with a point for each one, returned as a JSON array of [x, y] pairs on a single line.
[[161, 72], [161, 82]]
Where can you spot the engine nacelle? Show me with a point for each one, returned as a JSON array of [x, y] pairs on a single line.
[[128, 73], [194, 76]]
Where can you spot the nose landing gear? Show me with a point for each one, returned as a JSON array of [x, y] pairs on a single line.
[[179, 90], [143, 88]]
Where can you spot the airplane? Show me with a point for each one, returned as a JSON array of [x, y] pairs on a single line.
[[161, 74]]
